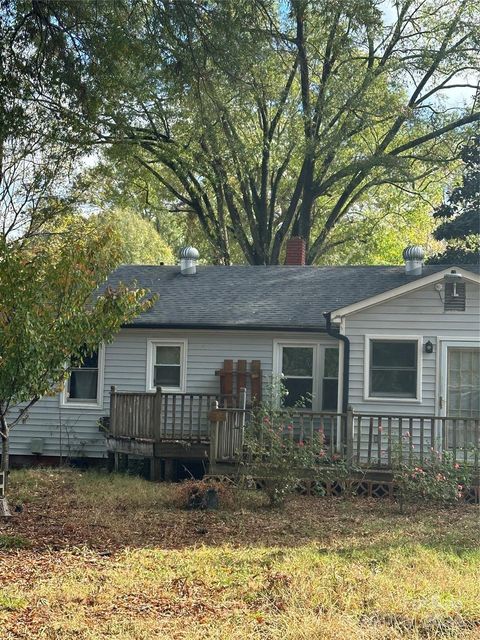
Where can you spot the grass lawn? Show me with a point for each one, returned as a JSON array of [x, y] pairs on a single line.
[[95, 556]]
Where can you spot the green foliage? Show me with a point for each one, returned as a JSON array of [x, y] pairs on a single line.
[[438, 480], [13, 542], [236, 124], [138, 242], [262, 120], [277, 456], [460, 215], [378, 230], [48, 311], [10, 602]]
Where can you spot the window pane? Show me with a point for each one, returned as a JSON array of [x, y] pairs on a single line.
[[166, 376], [297, 361], [299, 392], [85, 361], [90, 362], [394, 354], [168, 355], [391, 382], [330, 395], [83, 384], [331, 363], [463, 397]]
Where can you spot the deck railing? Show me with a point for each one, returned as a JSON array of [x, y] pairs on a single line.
[[379, 439], [162, 416], [372, 440]]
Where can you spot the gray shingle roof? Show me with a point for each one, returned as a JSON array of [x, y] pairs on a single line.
[[258, 297]]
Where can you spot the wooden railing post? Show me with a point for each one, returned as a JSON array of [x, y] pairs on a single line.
[[349, 434], [156, 415], [242, 404], [113, 413], [214, 435]]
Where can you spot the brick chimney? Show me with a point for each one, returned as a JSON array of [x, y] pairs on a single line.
[[295, 251]]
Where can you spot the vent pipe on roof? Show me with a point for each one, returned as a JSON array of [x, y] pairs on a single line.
[[413, 256], [295, 254], [188, 261]]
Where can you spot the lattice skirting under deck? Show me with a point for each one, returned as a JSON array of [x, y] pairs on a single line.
[[360, 488]]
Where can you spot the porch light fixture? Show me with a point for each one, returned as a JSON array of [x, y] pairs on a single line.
[[428, 347]]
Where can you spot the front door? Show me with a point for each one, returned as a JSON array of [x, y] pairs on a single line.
[[461, 392]]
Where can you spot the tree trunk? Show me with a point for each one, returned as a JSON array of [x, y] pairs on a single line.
[[4, 434]]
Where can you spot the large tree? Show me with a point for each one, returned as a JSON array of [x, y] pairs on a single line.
[[460, 214], [267, 119], [261, 118], [51, 261]]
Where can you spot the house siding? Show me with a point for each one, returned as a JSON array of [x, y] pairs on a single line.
[[74, 432], [418, 313]]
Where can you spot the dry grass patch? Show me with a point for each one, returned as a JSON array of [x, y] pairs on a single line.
[[110, 558]]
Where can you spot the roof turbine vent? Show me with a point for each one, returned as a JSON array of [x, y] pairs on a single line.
[[413, 256], [188, 261]]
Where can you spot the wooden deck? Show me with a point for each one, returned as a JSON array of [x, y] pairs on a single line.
[[208, 428]]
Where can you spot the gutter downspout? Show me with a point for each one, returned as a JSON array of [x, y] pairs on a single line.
[[335, 333]]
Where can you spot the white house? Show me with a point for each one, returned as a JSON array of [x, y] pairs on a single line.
[[387, 341]]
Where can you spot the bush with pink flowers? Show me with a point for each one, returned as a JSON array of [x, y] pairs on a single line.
[[277, 456], [438, 479]]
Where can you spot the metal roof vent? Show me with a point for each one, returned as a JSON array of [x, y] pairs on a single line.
[[188, 261], [413, 256]]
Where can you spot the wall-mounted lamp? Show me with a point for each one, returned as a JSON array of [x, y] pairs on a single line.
[[428, 347]]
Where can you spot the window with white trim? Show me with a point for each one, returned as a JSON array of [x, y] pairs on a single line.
[[84, 384], [167, 365], [308, 372], [393, 368]]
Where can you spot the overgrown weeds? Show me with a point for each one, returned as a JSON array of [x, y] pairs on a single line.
[[320, 568]]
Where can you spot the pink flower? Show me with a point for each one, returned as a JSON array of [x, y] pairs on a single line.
[[321, 453], [456, 465], [380, 429], [301, 443], [406, 434], [290, 427]]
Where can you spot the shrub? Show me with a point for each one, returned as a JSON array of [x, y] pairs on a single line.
[[439, 479], [278, 457]]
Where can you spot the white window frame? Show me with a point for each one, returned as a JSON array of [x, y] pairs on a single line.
[[151, 348], [66, 403], [318, 365], [366, 372]]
